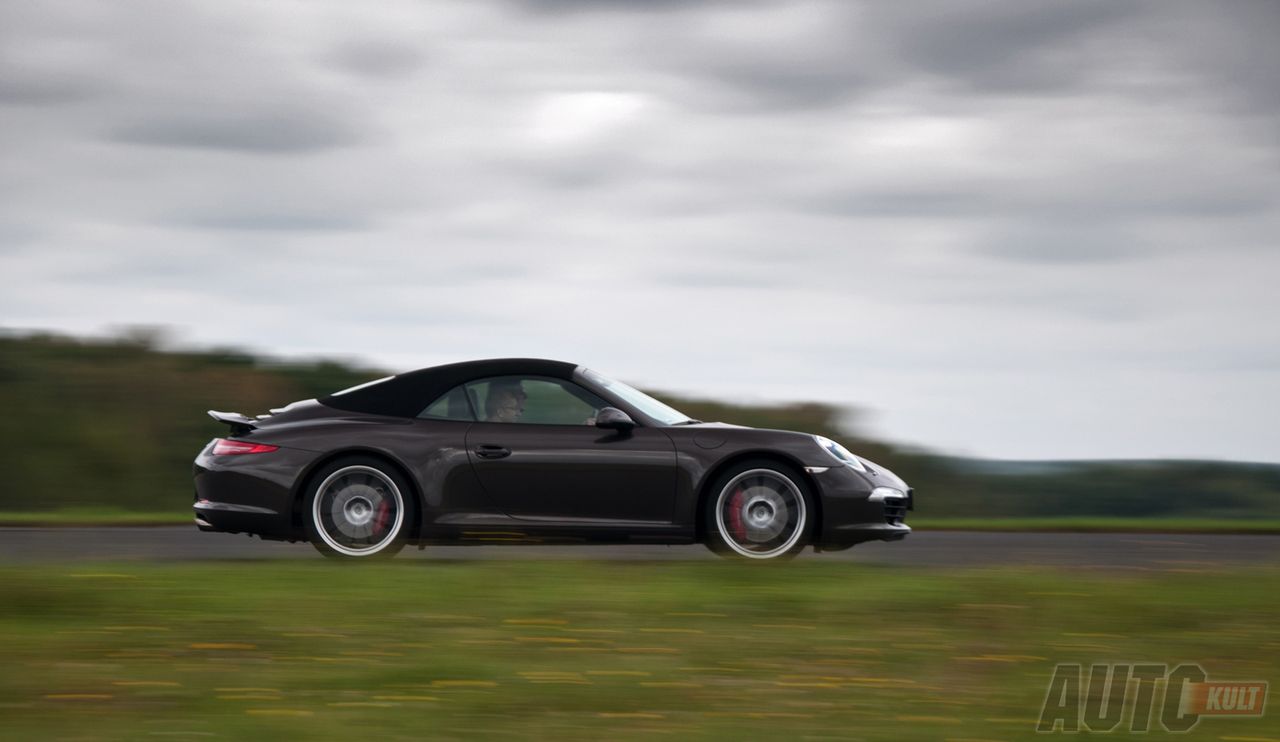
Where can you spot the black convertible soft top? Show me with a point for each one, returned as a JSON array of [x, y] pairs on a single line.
[[409, 393]]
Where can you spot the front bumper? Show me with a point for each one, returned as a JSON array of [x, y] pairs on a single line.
[[851, 515]]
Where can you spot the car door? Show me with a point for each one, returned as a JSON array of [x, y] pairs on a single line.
[[539, 456]]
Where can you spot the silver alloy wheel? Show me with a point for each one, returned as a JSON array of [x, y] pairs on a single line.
[[357, 511], [760, 513]]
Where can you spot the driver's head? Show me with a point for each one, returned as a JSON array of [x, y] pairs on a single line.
[[505, 403]]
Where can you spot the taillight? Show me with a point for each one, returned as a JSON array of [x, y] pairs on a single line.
[[224, 447]]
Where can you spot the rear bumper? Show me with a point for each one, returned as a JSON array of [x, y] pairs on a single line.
[[222, 517], [850, 515], [248, 494]]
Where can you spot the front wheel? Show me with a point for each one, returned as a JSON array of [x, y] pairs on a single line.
[[759, 510], [356, 508]]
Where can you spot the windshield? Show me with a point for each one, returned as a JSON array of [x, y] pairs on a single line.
[[638, 399]]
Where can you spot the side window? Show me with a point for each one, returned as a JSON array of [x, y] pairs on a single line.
[[452, 405], [534, 400]]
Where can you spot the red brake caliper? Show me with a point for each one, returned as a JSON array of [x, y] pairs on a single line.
[[380, 523], [735, 516]]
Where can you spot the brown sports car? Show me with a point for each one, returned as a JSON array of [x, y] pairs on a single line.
[[532, 451]]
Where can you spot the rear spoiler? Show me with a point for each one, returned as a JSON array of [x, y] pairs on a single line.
[[239, 423]]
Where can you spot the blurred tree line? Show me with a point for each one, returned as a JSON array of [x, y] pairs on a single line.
[[116, 423]]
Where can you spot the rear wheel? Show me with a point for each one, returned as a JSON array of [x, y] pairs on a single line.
[[759, 510], [357, 507]]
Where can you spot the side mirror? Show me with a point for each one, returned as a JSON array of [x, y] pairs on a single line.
[[612, 418]]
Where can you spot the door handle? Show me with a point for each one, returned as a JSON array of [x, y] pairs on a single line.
[[493, 452]]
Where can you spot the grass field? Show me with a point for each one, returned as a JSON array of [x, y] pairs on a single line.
[[116, 517], [570, 650]]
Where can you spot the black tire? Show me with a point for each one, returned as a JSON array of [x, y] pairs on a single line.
[[358, 508], [773, 519]]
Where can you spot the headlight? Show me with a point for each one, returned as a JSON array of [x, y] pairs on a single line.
[[840, 453], [880, 494]]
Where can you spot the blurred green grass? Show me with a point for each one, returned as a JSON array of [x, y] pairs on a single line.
[[573, 650]]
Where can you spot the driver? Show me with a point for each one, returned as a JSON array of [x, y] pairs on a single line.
[[505, 403]]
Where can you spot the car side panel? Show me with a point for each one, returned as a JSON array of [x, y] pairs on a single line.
[[577, 472], [432, 452], [847, 515], [702, 450]]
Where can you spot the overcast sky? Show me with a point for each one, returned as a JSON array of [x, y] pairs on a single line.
[[1010, 229]]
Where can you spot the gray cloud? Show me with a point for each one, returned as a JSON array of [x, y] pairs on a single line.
[[271, 221], [1011, 228], [1035, 48], [1081, 242], [606, 6], [283, 132], [379, 58], [30, 88]]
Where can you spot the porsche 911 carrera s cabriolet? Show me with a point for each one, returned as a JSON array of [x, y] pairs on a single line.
[[532, 451]]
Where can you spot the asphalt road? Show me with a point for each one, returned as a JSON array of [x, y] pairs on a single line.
[[922, 549]]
